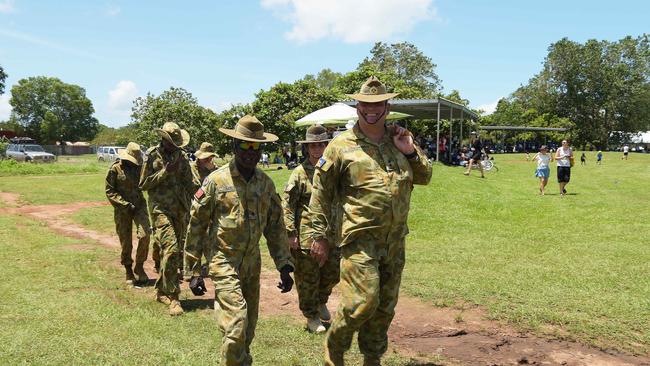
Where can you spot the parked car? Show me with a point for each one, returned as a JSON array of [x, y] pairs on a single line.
[[108, 153], [29, 153]]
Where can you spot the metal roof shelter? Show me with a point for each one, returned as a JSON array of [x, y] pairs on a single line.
[[432, 109], [522, 128]]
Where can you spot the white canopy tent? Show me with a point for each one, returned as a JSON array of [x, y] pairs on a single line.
[[338, 114]]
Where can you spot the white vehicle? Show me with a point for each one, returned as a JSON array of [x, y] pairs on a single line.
[[32, 153], [108, 153]]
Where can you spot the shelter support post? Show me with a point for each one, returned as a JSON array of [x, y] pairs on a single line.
[[438, 134]]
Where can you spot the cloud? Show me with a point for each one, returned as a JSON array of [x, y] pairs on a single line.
[[28, 38], [120, 99], [489, 108], [351, 21], [113, 10], [5, 107], [7, 6]]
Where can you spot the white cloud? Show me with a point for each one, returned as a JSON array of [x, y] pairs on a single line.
[[120, 99], [5, 107], [489, 108], [351, 21], [7, 6], [113, 10]]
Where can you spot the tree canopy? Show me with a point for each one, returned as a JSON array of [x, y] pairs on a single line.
[[51, 110], [3, 78]]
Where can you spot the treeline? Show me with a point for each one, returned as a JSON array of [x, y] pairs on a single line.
[[599, 89]]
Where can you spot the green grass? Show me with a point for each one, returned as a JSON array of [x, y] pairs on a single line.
[[64, 303], [575, 267], [64, 165], [56, 189]]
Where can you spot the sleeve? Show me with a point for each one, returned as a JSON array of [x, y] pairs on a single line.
[[203, 205], [151, 177], [290, 202], [275, 231], [324, 191], [191, 186], [114, 197], [421, 168]]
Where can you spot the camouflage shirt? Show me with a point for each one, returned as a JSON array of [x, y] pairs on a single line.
[[122, 185], [168, 192], [373, 183], [234, 214]]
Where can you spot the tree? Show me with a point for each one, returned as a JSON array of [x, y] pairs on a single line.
[[3, 77], [51, 110], [407, 63], [325, 79], [115, 136], [174, 105]]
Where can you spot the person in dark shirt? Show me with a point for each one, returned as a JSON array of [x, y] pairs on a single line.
[[476, 155]]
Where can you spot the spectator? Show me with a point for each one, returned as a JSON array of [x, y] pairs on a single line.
[[543, 158], [564, 155]]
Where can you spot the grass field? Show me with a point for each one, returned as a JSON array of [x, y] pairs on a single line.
[[576, 267]]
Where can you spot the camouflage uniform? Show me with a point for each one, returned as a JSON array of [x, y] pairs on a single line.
[[169, 194], [122, 191], [373, 183], [199, 174], [233, 214], [314, 284], [155, 245]]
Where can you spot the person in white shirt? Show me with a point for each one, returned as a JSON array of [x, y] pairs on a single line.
[[543, 159], [265, 160], [563, 156], [626, 151]]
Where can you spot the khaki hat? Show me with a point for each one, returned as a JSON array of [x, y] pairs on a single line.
[[132, 153], [315, 133], [174, 134], [205, 151], [249, 128], [372, 91]]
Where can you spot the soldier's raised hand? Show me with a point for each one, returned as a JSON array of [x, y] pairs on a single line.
[[403, 140], [173, 166]]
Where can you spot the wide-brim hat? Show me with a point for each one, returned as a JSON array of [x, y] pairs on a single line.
[[249, 128], [205, 151], [372, 91], [174, 134], [132, 153], [315, 133]]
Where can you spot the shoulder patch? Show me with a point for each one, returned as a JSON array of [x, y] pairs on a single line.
[[199, 193], [323, 164]]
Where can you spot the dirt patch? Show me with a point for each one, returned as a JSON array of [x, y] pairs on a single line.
[[419, 330], [80, 247], [10, 199]]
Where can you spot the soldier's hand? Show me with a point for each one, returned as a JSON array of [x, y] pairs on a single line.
[[293, 242], [320, 251], [403, 140], [197, 285], [286, 282]]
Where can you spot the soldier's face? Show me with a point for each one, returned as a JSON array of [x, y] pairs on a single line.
[[246, 158], [316, 149], [206, 163], [168, 146], [372, 113]]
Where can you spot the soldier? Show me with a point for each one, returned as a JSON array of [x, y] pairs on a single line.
[[370, 170], [130, 208], [167, 177], [201, 168], [314, 283], [234, 207]]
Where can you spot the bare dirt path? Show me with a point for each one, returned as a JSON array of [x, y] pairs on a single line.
[[418, 330]]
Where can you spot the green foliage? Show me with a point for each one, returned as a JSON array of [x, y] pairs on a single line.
[[4, 143], [51, 110], [3, 77], [282, 105], [174, 105], [326, 78], [10, 167], [602, 86], [115, 136]]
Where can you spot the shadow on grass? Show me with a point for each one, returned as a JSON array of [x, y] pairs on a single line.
[[197, 304], [419, 363]]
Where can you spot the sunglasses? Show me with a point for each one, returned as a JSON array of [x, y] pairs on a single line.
[[245, 145]]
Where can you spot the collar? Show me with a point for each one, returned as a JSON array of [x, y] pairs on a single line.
[[359, 135], [234, 172]]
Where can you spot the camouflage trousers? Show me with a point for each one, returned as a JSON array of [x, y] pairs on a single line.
[[371, 273], [237, 298], [124, 221], [155, 245], [170, 234], [314, 284]]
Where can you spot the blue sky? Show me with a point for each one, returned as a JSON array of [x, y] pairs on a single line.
[[223, 52]]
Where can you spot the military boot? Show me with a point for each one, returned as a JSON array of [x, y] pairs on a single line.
[[314, 325], [162, 298], [371, 361], [142, 275], [324, 313], [130, 278], [175, 308]]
